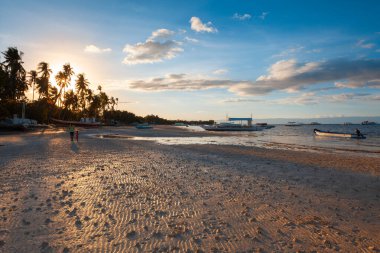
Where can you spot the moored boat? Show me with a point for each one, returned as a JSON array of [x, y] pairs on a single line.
[[264, 125], [368, 123], [180, 124], [336, 134], [76, 123], [292, 123], [144, 126], [8, 125], [231, 126]]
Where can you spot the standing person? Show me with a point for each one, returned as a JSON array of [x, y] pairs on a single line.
[[71, 130], [76, 135], [358, 132]]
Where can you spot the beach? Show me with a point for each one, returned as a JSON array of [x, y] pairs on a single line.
[[113, 193]]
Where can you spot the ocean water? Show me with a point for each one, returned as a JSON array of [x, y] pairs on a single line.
[[290, 138]]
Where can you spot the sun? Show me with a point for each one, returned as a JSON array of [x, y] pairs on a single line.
[[58, 66]]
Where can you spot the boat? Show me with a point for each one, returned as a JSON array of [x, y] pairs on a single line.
[[226, 126], [368, 123], [314, 123], [293, 123], [18, 124], [82, 123], [264, 125], [231, 126], [336, 134], [181, 124], [10, 125], [144, 126]]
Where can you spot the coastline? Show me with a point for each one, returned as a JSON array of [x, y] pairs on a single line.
[[136, 196]]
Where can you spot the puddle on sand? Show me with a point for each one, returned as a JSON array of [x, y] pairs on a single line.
[[113, 136]]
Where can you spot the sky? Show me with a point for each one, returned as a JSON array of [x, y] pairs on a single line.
[[200, 59]]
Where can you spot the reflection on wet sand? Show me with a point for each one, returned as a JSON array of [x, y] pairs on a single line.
[[128, 195]]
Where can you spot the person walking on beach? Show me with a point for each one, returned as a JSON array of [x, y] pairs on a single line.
[[71, 131], [76, 135]]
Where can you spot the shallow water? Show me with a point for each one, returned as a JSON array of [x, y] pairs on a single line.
[[283, 137]]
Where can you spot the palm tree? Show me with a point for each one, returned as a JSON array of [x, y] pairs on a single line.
[[43, 82], [60, 79], [68, 72], [89, 96], [32, 79], [71, 101], [53, 94], [82, 88], [3, 81], [64, 78], [16, 84]]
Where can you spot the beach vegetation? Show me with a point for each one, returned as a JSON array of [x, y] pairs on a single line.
[[59, 100]]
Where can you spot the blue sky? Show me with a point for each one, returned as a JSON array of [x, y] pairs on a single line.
[[205, 59]]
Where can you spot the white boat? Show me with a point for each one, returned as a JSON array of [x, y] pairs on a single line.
[[226, 126], [264, 125], [293, 123], [144, 126], [180, 124], [368, 123], [335, 134], [231, 126], [81, 123]]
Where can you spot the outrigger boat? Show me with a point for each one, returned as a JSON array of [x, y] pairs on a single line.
[[335, 134], [144, 126], [230, 126], [293, 123], [76, 123]]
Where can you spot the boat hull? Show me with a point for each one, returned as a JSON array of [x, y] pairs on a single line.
[[13, 127], [231, 129], [144, 127], [76, 123], [339, 135]]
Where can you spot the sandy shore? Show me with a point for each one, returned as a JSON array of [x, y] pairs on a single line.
[[123, 195]]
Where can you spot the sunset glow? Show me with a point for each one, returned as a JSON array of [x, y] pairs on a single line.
[[240, 58]]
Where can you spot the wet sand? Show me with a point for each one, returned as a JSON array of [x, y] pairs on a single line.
[[123, 195]]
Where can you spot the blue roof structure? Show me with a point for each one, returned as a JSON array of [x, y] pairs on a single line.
[[233, 119]]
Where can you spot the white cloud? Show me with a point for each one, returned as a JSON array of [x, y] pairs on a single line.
[[311, 98], [220, 71], [156, 48], [188, 39], [198, 26], [245, 16], [308, 98], [242, 100], [161, 34], [363, 44], [180, 82], [286, 75], [290, 75], [357, 84], [289, 51], [263, 15], [96, 50]]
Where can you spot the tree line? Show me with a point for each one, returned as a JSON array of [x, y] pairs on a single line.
[[50, 101]]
